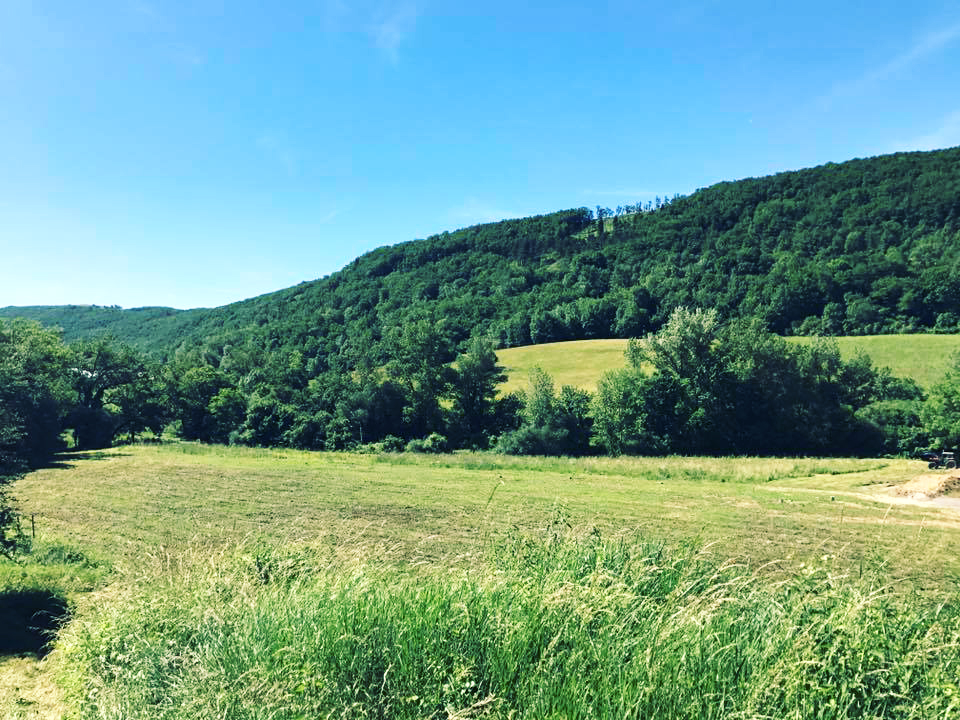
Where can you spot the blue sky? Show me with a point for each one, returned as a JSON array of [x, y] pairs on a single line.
[[198, 153]]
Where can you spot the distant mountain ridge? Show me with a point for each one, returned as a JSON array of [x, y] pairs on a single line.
[[866, 246]]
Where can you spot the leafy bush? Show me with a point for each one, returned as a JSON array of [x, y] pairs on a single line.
[[433, 443]]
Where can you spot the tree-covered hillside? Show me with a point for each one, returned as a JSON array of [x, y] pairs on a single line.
[[861, 247], [366, 355]]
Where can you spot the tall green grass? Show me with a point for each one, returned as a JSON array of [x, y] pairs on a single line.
[[552, 625]]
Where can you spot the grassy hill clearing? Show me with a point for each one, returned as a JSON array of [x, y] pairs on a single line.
[[581, 363]]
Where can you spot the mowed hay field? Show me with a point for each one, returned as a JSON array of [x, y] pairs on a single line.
[[581, 363], [250, 583], [140, 499]]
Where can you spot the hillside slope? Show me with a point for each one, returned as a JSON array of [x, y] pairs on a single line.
[[862, 247]]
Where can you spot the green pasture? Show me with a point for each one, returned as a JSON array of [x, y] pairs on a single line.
[[581, 363]]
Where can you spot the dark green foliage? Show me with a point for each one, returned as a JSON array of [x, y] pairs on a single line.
[[700, 386], [941, 411], [194, 389], [33, 400], [30, 618], [862, 247], [34, 390], [115, 391], [420, 356], [474, 394], [551, 424]]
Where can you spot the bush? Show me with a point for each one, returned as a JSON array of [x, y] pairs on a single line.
[[391, 443], [433, 443]]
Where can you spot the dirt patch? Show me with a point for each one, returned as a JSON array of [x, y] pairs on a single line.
[[930, 486]]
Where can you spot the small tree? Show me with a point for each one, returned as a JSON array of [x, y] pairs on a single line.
[[941, 412], [552, 424], [475, 393]]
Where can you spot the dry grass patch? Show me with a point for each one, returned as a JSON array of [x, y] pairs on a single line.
[[27, 691]]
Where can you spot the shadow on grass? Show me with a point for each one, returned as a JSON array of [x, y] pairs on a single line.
[[29, 619], [66, 460]]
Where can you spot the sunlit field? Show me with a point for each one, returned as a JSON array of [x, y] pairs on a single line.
[[245, 583], [581, 363]]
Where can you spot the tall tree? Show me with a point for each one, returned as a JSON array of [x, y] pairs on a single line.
[[100, 366], [475, 391], [420, 353], [33, 400]]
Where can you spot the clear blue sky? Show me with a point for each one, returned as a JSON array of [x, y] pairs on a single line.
[[198, 153]]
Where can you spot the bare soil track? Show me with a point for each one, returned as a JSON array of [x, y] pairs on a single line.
[[939, 489]]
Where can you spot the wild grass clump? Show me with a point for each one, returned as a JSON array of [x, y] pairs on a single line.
[[549, 626]]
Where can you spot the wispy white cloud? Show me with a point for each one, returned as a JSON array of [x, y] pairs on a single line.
[[924, 47], [144, 8], [185, 55], [626, 193], [946, 134], [277, 148], [474, 211], [388, 24], [328, 217], [335, 14], [393, 23]]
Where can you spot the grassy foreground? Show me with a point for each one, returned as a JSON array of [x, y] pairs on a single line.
[[280, 584], [581, 363], [550, 627]]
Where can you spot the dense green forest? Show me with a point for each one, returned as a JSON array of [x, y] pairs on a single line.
[[398, 347], [861, 247]]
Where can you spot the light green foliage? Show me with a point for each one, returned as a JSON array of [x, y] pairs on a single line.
[[941, 412], [551, 424]]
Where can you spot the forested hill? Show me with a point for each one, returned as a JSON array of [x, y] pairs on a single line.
[[861, 247]]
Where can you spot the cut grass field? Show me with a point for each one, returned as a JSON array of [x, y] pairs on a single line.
[[581, 363], [319, 584], [156, 499]]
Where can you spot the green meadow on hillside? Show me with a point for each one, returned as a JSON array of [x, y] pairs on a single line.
[[580, 363], [248, 583]]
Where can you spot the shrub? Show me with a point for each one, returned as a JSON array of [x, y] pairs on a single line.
[[433, 443]]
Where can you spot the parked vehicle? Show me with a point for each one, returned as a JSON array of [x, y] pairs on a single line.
[[943, 460]]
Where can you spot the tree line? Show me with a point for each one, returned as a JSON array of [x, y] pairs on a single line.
[[699, 385]]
